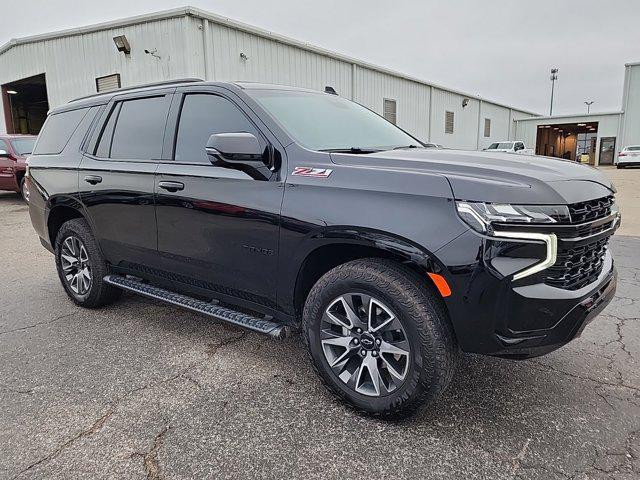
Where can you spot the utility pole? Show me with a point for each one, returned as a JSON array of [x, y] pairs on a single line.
[[554, 77], [588, 104]]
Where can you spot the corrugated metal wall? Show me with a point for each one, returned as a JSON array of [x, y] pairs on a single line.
[[189, 46]]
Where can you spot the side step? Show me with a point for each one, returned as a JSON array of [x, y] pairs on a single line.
[[256, 324]]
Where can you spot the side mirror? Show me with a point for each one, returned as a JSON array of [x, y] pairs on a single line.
[[241, 148], [4, 153]]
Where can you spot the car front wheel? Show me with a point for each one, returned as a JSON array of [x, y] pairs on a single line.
[[379, 339]]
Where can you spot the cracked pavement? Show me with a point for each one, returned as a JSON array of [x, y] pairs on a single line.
[[145, 390]]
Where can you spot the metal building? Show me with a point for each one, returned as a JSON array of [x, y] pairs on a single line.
[[43, 71], [591, 138]]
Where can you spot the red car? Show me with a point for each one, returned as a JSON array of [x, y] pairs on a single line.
[[13, 155]]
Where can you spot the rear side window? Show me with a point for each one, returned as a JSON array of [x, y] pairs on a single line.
[[57, 131], [203, 115], [135, 129]]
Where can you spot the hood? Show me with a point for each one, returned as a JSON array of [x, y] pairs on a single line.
[[494, 176]]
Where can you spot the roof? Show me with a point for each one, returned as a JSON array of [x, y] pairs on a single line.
[[195, 12], [569, 115]]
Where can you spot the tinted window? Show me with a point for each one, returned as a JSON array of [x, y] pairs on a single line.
[[203, 115], [104, 144], [57, 130], [4, 146], [139, 129]]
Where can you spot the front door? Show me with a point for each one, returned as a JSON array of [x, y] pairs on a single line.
[[217, 227], [116, 178], [607, 150]]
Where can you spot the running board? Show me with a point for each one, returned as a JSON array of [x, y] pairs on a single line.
[[227, 315]]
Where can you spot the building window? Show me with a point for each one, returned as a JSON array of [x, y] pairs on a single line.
[[448, 122], [390, 110], [487, 127], [108, 83]]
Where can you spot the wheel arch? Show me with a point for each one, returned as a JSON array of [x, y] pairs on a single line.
[[61, 210], [332, 249]]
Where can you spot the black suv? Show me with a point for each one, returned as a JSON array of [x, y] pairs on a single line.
[[274, 207]]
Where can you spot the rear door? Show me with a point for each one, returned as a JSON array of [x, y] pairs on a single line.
[[116, 177], [219, 230]]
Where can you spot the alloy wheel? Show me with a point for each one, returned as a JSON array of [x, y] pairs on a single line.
[[365, 344], [75, 265]]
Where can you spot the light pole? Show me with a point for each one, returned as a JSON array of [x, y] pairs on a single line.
[[588, 104], [554, 77]]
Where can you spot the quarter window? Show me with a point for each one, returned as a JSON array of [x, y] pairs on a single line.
[[57, 131], [203, 115]]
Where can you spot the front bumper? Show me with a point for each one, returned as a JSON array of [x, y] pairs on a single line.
[[493, 315]]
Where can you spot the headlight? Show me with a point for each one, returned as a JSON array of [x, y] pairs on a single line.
[[481, 216]]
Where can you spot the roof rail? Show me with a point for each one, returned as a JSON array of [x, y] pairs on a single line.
[[135, 87]]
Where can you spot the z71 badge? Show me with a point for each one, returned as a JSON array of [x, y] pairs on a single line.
[[311, 172]]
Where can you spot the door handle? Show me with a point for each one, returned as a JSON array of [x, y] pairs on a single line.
[[171, 186], [93, 179]]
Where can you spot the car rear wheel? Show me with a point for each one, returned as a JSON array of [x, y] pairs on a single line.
[[81, 266], [379, 339]]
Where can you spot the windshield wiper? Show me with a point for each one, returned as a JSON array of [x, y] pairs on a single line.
[[402, 147], [356, 150]]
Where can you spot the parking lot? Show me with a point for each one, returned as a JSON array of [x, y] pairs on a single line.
[[144, 390]]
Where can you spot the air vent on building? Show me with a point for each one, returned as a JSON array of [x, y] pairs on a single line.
[[448, 122], [487, 127], [390, 110], [108, 83]]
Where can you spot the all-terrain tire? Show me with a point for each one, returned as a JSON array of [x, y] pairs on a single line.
[[434, 350], [98, 292]]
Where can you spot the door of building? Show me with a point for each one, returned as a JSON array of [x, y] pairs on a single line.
[[607, 150]]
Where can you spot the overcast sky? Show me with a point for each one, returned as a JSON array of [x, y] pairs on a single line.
[[499, 49]]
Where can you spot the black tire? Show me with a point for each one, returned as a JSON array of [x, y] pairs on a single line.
[[98, 293], [22, 192], [433, 348], [620, 167]]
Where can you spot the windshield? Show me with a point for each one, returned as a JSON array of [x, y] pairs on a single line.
[[23, 146], [321, 121], [500, 146]]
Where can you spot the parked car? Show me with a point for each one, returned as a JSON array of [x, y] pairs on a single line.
[[510, 147], [13, 155], [274, 208], [629, 156]]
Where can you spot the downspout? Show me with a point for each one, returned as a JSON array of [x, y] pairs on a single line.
[[430, 112], [478, 129]]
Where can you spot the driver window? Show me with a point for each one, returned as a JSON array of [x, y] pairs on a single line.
[[201, 116]]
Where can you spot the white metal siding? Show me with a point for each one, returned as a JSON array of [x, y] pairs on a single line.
[[191, 43], [412, 99], [270, 61]]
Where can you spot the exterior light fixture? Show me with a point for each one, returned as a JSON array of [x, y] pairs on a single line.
[[582, 124], [12, 92], [465, 102], [243, 56], [122, 44]]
